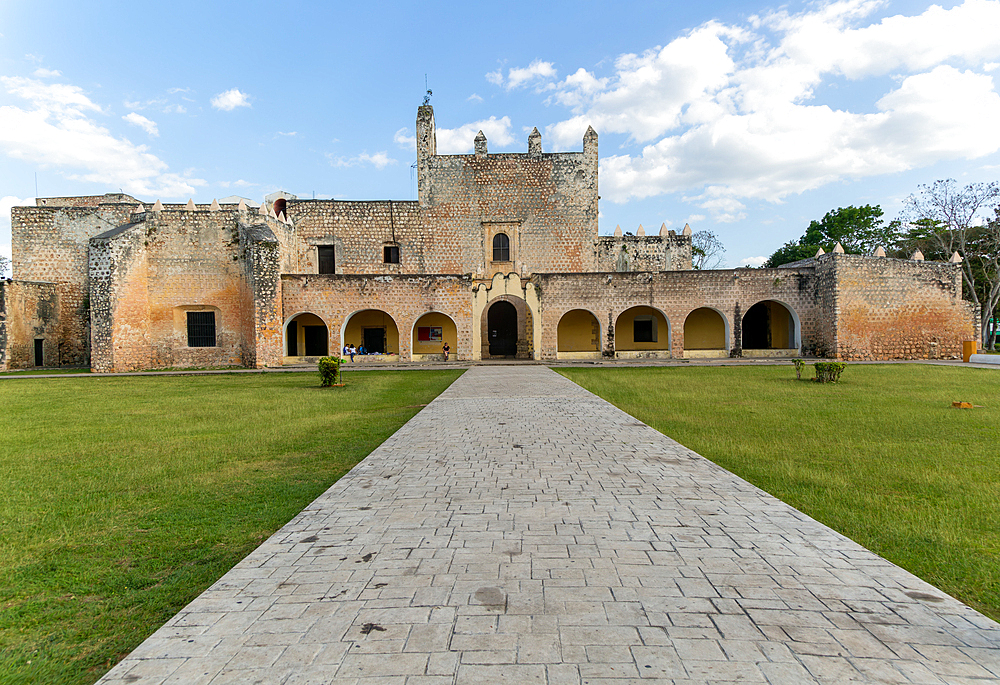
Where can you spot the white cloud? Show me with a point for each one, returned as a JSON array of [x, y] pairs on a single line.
[[143, 123], [288, 133], [538, 72], [57, 130], [474, 98], [230, 100], [42, 72], [753, 261], [456, 141], [730, 112], [379, 160], [403, 138]]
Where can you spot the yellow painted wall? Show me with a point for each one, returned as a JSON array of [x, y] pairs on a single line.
[[579, 331], [781, 323], [625, 330], [372, 318], [704, 329], [304, 320], [448, 332]]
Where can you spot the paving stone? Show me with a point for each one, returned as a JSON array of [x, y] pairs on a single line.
[[521, 530]]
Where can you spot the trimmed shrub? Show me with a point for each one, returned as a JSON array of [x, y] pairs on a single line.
[[829, 372], [329, 371]]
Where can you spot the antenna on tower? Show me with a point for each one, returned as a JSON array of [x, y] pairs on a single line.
[[427, 97]]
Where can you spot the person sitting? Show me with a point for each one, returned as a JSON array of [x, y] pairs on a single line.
[[446, 350], [362, 350], [351, 351]]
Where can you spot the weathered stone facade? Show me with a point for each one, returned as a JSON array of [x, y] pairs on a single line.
[[498, 257]]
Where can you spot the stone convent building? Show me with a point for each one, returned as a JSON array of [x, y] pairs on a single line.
[[499, 257]]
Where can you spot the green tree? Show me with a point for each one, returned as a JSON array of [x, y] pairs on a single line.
[[859, 230], [954, 219]]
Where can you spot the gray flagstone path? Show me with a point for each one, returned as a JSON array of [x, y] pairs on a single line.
[[522, 530]]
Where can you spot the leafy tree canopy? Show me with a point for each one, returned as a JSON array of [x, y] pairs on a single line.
[[859, 230]]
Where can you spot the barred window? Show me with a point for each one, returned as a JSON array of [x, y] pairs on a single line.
[[501, 248], [201, 329]]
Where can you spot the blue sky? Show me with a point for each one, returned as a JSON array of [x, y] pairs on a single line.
[[746, 119]]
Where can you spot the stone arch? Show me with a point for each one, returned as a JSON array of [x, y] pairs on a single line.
[[374, 329], [578, 335], [280, 205], [301, 335], [706, 333], [497, 342], [430, 348], [771, 328], [642, 332]]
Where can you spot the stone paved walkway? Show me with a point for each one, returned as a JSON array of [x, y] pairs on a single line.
[[521, 530]]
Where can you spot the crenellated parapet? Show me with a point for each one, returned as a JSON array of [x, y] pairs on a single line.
[[624, 252]]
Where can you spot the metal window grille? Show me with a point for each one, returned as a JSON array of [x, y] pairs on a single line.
[[390, 254], [501, 248], [201, 329]]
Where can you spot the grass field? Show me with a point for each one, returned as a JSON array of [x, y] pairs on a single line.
[[881, 456], [121, 499]]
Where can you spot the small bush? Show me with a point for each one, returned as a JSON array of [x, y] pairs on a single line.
[[799, 365], [829, 372], [329, 371]]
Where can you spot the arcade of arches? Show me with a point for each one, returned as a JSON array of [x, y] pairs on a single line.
[[306, 336], [769, 330], [430, 332], [642, 332], [705, 334], [579, 335], [375, 330]]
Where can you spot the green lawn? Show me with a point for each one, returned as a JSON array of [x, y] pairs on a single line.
[[121, 499], [881, 456]]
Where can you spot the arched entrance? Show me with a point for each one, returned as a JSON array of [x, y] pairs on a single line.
[[430, 332], [306, 335], [642, 333], [706, 334], [374, 330], [770, 329], [578, 335], [501, 329]]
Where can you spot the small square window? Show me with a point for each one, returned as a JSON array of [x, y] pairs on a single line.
[[643, 329], [201, 329], [390, 254]]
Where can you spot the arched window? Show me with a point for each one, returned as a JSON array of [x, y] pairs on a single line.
[[501, 248]]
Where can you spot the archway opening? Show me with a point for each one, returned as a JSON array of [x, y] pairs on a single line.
[[280, 205], [501, 327], [769, 327], [578, 335], [705, 333], [372, 330], [430, 332], [307, 336], [642, 332]]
